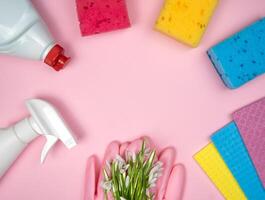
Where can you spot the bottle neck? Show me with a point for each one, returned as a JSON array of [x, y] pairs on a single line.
[[47, 50], [24, 131], [54, 57]]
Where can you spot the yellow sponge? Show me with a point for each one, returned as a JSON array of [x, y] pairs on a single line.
[[212, 163], [186, 20]]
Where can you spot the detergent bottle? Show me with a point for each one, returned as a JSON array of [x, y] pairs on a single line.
[[24, 34], [45, 121]]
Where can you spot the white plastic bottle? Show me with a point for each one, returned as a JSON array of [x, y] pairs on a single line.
[[24, 34], [44, 121]]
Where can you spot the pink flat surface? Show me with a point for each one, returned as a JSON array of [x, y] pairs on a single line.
[[121, 85]]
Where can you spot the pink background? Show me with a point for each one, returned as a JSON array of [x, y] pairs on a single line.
[[121, 85]]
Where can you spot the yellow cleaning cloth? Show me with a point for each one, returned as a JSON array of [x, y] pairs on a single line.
[[186, 20], [212, 163]]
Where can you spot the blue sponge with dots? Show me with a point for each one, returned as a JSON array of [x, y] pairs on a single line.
[[241, 57]]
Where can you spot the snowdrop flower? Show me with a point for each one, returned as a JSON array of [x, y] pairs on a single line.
[[147, 152], [106, 185], [119, 159], [150, 195], [121, 164], [130, 156], [155, 173]]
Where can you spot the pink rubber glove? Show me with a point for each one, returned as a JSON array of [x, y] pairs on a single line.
[[170, 185]]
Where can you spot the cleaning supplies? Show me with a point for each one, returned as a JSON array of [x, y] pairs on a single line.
[[214, 166], [233, 151], [185, 20], [97, 16], [239, 145], [24, 34], [250, 121], [241, 57], [44, 121]]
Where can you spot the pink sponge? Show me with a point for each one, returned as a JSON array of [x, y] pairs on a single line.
[[97, 16]]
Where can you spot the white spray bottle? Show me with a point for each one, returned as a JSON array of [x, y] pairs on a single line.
[[44, 121], [24, 34]]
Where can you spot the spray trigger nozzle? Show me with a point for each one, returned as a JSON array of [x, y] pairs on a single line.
[[51, 140], [46, 121]]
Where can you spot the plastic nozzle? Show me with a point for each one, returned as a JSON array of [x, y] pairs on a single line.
[[56, 58], [46, 121]]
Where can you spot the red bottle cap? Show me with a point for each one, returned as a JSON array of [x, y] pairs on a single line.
[[56, 58]]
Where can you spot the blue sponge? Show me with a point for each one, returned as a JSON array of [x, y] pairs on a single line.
[[231, 147], [241, 57]]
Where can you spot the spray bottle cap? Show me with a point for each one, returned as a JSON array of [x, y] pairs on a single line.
[[47, 121], [56, 58]]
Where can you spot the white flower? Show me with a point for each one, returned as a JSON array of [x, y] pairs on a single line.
[[123, 168], [122, 198], [158, 163], [154, 174], [119, 159], [150, 194], [121, 164], [106, 185], [147, 152], [130, 156], [133, 157]]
